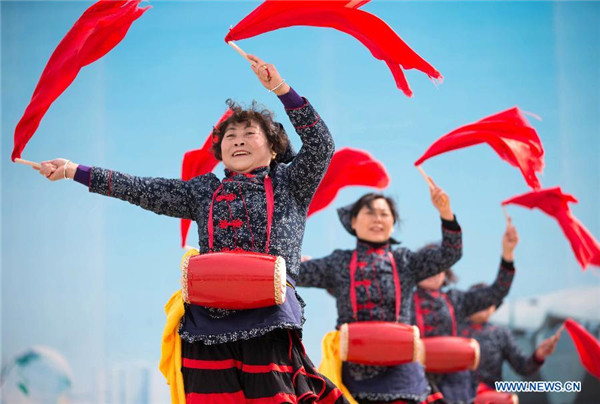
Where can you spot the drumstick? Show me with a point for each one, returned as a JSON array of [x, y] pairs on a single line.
[[352, 3], [29, 163], [240, 51], [426, 177], [506, 215]]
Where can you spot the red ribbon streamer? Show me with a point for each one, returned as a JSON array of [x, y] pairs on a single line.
[[367, 28], [588, 347], [348, 167], [96, 32], [553, 202], [508, 133]]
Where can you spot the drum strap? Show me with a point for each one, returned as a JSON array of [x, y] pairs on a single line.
[[397, 285], [270, 208], [419, 313]]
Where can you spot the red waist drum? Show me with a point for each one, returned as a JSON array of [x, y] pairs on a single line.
[[379, 343], [234, 280], [494, 397], [450, 354]]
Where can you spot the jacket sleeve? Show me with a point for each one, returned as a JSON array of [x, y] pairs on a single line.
[[320, 272], [307, 169], [467, 303], [171, 197], [430, 261]]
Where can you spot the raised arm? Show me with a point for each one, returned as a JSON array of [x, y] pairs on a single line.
[[470, 302], [307, 169], [467, 303], [432, 260]]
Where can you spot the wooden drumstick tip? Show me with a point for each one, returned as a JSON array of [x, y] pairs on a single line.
[[343, 347], [239, 50], [473, 342], [429, 182], [506, 215], [28, 163]]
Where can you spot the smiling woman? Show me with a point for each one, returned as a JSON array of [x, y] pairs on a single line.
[[249, 138], [375, 283], [258, 210]]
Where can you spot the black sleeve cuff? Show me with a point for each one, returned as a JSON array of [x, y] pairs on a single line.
[[537, 360], [451, 224], [508, 265]]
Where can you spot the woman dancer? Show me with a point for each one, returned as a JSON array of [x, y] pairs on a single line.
[[229, 356], [497, 344], [375, 282], [439, 313]]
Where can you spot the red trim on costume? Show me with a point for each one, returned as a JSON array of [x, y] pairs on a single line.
[[294, 109], [270, 208], [215, 398], [226, 197], [276, 399], [211, 228], [232, 363], [109, 183], [237, 397], [419, 312], [237, 223], [434, 397], [451, 310], [332, 397], [353, 283], [309, 126]]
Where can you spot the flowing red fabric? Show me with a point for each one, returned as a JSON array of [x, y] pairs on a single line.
[[96, 32], [508, 133], [553, 202], [343, 16], [588, 347], [348, 167], [199, 162]]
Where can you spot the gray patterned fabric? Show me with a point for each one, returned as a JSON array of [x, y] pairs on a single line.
[[497, 345], [436, 314], [239, 213], [375, 291], [437, 321]]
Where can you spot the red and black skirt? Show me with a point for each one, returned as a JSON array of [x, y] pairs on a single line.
[[270, 369]]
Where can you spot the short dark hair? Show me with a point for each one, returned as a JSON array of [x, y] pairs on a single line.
[[368, 199], [274, 131], [450, 275]]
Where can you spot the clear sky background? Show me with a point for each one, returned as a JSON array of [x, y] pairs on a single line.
[[88, 275]]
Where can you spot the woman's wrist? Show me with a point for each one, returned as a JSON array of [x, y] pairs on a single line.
[[508, 255], [70, 169], [447, 214], [283, 89]]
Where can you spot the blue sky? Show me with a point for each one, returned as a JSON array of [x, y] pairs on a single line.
[[89, 275]]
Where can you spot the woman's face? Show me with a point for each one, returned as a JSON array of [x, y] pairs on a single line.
[[374, 224], [245, 147], [434, 282], [483, 316]]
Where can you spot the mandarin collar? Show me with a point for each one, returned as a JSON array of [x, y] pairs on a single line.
[[258, 172]]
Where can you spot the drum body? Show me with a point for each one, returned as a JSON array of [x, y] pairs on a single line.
[[234, 280], [450, 354], [379, 343], [487, 395]]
